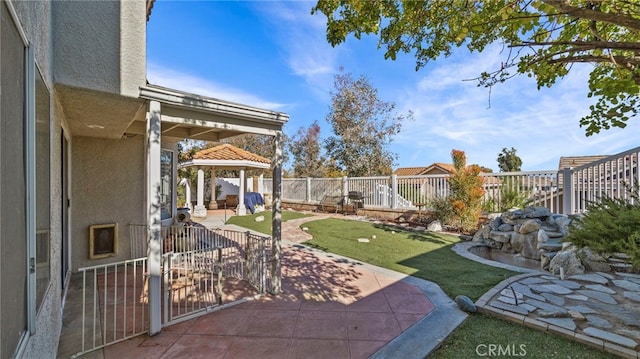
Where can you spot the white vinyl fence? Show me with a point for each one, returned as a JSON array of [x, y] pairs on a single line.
[[502, 190]]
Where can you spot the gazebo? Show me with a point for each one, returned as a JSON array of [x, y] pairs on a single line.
[[223, 157]]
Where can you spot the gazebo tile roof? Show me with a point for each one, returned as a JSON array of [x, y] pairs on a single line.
[[228, 152]]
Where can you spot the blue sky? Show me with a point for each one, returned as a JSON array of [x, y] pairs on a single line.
[[274, 55]]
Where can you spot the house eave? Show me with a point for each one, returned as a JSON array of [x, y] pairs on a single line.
[[184, 100]]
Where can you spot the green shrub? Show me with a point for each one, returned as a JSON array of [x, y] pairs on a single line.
[[444, 210], [512, 196], [611, 225]]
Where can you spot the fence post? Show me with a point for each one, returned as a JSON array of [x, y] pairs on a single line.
[[394, 191], [345, 189], [567, 191], [308, 199]]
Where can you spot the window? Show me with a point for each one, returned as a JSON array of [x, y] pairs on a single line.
[[167, 181], [13, 206], [43, 189]]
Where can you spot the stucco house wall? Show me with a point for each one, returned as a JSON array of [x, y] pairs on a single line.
[[108, 187], [115, 63]]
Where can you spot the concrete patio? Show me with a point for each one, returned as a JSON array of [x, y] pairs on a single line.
[[330, 307]]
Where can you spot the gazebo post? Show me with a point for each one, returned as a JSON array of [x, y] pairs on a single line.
[[213, 204], [200, 211], [242, 210]]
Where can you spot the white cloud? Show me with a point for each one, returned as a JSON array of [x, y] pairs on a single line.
[[542, 125], [301, 38], [162, 76]]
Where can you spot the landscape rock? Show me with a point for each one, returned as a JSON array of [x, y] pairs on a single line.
[[259, 219], [568, 261], [529, 226], [466, 304], [501, 237], [435, 226], [526, 245]]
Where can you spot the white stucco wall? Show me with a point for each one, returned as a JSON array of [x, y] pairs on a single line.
[[108, 186], [95, 51]]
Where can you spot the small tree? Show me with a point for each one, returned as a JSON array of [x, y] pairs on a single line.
[[305, 150], [465, 192], [508, 161]]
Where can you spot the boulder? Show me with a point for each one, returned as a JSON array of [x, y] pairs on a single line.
[[529, 226], [545, 259], [511, 215], [435, 226], [501, 237], [466, 304], [593, 261], [542, 236], [259, 219], [537, 212], [526, 245], [562, 222], [506, 247], [495, 223], [505, 227], [568, 260]]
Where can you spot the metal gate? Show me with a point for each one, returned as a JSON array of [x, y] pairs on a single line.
[[202, 270]]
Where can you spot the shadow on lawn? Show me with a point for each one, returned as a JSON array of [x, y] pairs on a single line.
[[414, 235], [455, 274]]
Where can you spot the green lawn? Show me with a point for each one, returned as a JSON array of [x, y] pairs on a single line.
[[249, 221], [423, 255], [429, 256]]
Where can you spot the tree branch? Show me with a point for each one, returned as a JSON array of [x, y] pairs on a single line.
[[632, 46], [618, 19], [593, 58]]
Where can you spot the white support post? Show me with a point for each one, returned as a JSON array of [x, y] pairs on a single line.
[[213, 204], [345, 189], [394, 191], [200, 211], [154, 183], [567, 192], [308, 197], [276, 222], [242, 210]]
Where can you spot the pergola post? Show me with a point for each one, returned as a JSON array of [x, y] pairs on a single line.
[[213, 204], [200, 211], [154, 252], [276, 222]]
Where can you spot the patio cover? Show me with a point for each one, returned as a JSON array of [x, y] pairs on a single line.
[[223, 157], [180, 114]]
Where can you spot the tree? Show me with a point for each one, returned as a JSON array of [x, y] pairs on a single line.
[[466, 192], [508, 161], [305, 150], [545, 38], [363, 125]]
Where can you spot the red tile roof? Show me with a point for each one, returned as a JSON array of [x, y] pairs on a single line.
[[228, 152], [409, 171]]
